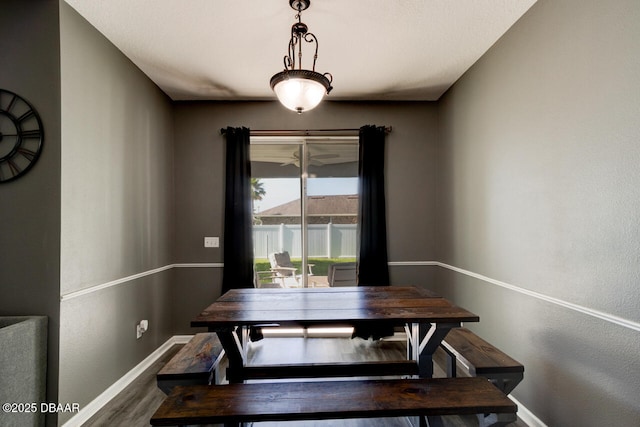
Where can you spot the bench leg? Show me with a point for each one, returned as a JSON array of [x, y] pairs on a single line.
[[506, 382]]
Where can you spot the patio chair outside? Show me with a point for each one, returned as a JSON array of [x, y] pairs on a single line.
[[284, 269], [265, 279], [343, 274]]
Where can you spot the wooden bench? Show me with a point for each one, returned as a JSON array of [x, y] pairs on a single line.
[[195, 363], [481, 359], [292, 401]]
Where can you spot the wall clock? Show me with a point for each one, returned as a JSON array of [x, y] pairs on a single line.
[[21, 136]]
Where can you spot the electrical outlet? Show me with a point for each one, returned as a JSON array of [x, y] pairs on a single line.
[[211, 242], [141, 328]]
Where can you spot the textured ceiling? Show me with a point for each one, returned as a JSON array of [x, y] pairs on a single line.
[[375, 49]]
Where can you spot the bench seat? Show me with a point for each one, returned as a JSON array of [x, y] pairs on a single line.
[[195, 363], [481, 359], [255, 402]]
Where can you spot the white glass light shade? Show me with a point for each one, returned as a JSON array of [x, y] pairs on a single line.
[[300, 90], [299, 94]]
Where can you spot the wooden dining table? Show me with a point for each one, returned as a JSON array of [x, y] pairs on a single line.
[[426, 317]]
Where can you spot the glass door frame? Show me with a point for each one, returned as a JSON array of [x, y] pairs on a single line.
[[302, 142]]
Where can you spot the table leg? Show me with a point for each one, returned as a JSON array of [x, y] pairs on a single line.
[[414, 337], [423, 341], [432, 421], [232, 349], [244, 347]]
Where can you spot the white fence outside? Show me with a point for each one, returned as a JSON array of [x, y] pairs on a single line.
[[324, 240]]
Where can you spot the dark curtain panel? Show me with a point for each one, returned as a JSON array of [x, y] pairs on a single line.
[[238, 241], [373, 267]]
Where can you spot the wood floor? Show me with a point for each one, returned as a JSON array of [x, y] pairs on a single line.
[[135, 405]]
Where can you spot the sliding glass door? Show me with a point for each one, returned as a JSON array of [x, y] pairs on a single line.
[[305, 206]]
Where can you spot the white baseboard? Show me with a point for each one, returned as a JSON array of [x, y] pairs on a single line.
[[180, 339], [526, 415], [105, 397]]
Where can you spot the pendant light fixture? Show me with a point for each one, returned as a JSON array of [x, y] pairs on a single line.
[[298, 89]]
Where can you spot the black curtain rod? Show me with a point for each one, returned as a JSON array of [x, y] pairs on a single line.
[[301, 132]]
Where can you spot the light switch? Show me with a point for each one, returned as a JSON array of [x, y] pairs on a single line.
[[211, 242]]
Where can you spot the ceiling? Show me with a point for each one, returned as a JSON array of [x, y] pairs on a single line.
[[375, 49]]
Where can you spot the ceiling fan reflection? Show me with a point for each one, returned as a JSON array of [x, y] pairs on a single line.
[[312, 159]]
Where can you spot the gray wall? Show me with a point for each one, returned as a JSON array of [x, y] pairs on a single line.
[[30, 206], [540, 197], [117, 212], [411, 169], [523, 178]]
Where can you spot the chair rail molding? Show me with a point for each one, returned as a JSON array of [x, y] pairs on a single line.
[[557, 301], [566, 304], [99, 287]]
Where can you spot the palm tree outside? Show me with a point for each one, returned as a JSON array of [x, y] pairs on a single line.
[[257, 193], [257, 189]]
